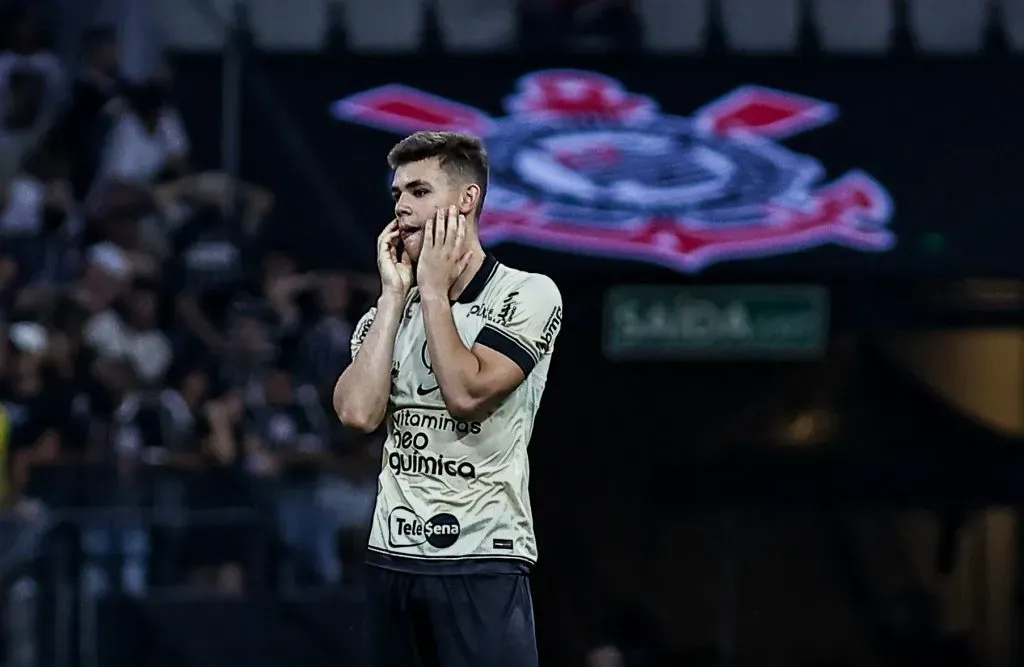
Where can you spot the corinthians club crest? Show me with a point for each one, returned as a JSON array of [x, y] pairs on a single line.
[[582, 165]]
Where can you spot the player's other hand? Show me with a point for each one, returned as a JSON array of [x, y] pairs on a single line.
[[395, 271], [444, 256]]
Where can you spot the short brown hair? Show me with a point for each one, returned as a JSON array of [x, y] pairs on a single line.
[[461, 156]]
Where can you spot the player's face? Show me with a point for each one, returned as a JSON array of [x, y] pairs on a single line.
[[419, 189]]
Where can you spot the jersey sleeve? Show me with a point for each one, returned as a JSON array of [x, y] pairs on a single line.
[[361, 330], [527, 319]]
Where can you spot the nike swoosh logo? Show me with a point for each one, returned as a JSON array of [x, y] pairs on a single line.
[[421, 391]]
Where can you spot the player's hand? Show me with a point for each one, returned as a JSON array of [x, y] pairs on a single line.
[[395, 271], [444, 256]]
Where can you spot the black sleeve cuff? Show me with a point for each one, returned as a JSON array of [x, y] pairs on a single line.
[[499, 341]]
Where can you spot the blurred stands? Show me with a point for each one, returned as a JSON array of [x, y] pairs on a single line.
[[161, 364]]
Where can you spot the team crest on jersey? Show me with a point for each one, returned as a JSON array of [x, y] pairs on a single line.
[[580, 164]]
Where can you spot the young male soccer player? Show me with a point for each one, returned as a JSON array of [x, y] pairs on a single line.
[[455, 356]]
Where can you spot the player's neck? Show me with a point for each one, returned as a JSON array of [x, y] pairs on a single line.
[[475, 262]]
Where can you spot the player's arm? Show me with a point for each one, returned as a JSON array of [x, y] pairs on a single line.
[[474, 381], [362, 392]]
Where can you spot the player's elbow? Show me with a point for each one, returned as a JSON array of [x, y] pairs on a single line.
[[356, 418], [467, 408], [359, 422], [352, 412]]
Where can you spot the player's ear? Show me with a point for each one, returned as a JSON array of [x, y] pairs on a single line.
[[469, 199]]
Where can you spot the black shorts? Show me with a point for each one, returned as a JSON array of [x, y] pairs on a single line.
[[450, 620]]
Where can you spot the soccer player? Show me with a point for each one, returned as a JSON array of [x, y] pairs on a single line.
[[455, 357]]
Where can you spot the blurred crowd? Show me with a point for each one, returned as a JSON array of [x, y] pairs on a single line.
[[163, 369]]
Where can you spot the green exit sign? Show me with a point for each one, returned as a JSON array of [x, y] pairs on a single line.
[[753, 322]]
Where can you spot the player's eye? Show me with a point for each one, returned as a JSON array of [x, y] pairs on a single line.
[[419, 192]]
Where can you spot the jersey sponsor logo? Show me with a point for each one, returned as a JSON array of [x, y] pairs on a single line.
[[489, 313], [508, 308], [361, 334], [486, 312], [415, 463], [407, 529], [551, 327], [434, 421], [430, 387], [409, 454], [581, 164]]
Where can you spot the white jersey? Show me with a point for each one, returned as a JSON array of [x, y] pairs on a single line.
[[451, 492]]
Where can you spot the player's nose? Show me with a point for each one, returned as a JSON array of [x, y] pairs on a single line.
[[402, 210]]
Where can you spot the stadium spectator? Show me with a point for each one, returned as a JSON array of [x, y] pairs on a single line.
[[289, 448], [87, 406], [38, 236], [31, 90], [346, 494], [216, 549], [324, 349], [176, 466], [147, 140], [95, 105], [283, 286], [23, 122], [32, 413], [116, 543], [106, 277], [25, 48], [212, 258], [130, 333], [181, 403], [250, 352]]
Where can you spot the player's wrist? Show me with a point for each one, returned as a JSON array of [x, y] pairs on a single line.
[[391, 300], [433, 292]]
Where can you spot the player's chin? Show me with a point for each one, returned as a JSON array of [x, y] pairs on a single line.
[[413, 245]]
